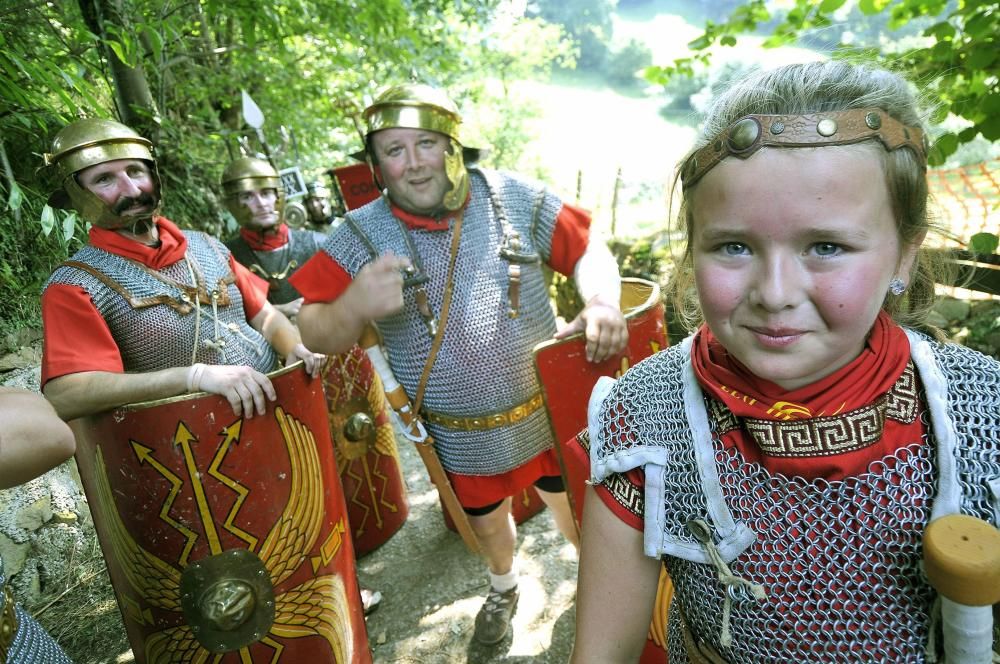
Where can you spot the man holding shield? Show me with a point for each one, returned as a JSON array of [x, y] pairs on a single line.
[[145, 310], [448, 264]]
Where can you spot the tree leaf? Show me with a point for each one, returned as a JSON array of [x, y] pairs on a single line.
[[990, 128], [984, 243], [118, 48], [16, 197], [48, 220], [69, 226]]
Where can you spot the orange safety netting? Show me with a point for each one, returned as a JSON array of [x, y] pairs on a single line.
[[966, 200]]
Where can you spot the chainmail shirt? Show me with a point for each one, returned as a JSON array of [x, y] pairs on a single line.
[[30, 644], [152, 318], [840, 561], [277, 265], [484, 365]]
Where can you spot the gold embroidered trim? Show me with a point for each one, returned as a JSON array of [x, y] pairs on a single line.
[[8, 624], [825, 436], [483, 422], [622, 490]]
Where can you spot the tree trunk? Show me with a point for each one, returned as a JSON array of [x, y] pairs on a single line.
[[133, 98]]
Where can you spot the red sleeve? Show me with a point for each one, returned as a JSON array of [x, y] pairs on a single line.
[[569, 239], [252, 288], [75, 337], [321, 279], [633, 483]]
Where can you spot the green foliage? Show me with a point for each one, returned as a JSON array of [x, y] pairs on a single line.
[[311, 66], [984, 243], [956, 61], [624, 65], [587, 22]]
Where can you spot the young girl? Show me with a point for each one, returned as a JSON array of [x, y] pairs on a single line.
[[784, 461]]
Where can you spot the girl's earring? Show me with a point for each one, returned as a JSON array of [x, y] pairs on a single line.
[[896, 286]]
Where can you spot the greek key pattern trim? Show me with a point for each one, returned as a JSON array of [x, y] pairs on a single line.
[[826, 436], [622, 490]]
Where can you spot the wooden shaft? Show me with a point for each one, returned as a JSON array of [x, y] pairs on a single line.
[[399, 401], [962, 559], [962, 562]]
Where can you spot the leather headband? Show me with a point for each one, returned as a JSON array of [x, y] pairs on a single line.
[[753, 132]]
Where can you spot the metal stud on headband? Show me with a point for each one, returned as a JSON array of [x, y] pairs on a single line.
[[749, 134]]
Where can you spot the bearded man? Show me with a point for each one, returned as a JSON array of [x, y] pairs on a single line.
[[145, 310]]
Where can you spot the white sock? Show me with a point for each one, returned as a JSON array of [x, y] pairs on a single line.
[[504, 582]]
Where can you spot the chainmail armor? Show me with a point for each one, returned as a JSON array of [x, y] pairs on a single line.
[[839, 560], [301, 246], [484, 364], [31, 643], [157, 337]]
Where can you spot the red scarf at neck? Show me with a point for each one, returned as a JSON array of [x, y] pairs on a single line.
[[414, 221], [171, 247], [266, 240], [858, 384]]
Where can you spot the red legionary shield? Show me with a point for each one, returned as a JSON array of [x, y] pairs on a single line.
[[567, 378], [357, 186], [365, 448], [226, 538]]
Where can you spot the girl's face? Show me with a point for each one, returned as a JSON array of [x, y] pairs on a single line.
[[793, 253]]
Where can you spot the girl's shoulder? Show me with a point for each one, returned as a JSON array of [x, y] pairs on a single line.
[[953, 358]]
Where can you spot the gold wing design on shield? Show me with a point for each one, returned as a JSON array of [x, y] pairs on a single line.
[[155, 581], [385, 434], [296, 531], [314, 608], [317, 606], [175, 645]]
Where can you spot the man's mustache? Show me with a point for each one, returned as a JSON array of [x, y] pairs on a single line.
[[129, 201]]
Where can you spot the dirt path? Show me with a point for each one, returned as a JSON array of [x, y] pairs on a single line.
[[433, 588]]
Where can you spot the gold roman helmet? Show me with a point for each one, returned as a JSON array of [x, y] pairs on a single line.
[[417, 106], [248, 174], [86, 143]]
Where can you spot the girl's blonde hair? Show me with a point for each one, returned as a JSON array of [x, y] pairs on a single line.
[[818, 87]]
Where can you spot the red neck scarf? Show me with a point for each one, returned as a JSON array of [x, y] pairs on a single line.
[[171, 249], [858, 384], [415, 221], [266, 240]]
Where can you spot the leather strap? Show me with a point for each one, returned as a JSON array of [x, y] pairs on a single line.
[[449, 287], [810, 130]]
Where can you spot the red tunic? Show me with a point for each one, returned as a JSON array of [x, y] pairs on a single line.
[[75, 336]]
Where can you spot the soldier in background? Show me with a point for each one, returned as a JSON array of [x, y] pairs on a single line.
[[320, 208], [265, 244]]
